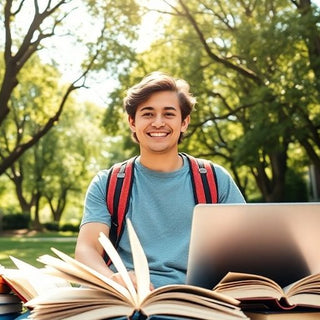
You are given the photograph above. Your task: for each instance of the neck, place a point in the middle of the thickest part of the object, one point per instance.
(162, 162)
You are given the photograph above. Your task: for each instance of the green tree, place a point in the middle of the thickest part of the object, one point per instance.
(67, 156)
(260, 48)
(248, 65)
(114, 29)
(26, 116)
(60, 165)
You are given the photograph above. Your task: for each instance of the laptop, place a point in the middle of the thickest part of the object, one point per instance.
(277, 240)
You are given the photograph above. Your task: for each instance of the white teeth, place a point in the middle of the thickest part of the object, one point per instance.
(157, 134)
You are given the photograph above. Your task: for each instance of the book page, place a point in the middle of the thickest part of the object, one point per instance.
(309, 284)
(100, 286)
(305, 299)
(189, 290)
(17, 280)
(243, 285)
(76, 302)
(140, 263)
(28, 281)
(117, 262)
(238, 276)
(40, 281)
(73, 267)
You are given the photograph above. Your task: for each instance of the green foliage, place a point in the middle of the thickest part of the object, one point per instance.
(249, 67)
(118, 22)
(32, 97)
(40, 85)
(60, 165)
(69, 227)
(54, 226)
(51, 226)
(15, 221)
(296, 188)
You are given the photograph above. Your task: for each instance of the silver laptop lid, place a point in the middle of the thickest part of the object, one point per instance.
(277, 240)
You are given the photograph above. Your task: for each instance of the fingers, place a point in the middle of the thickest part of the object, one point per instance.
(117, 278)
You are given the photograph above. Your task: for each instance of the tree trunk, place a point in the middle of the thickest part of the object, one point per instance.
(272, 189)
(36, 222)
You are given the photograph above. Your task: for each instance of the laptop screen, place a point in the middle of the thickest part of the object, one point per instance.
(280, 241)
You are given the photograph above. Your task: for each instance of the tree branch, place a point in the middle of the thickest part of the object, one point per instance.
(245, 72)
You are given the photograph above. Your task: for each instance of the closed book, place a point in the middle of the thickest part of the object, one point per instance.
(284, 315)
(8, 298)
(10, 308)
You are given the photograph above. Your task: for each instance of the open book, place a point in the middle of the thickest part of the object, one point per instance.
(255, 289)
(28, 282)
(99, 297)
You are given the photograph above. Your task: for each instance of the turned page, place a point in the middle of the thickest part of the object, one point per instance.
(118, 264)
(140, 263)
(77, 272)
(31, 281)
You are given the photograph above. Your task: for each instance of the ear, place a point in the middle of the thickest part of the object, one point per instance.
(131, 124)
(185, 124)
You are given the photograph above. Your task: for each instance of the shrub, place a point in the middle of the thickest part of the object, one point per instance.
(15, 221)
(51, 226)
(70, 227)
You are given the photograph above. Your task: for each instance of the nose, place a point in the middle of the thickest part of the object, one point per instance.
(158, 122)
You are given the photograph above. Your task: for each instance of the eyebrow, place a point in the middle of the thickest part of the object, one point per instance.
(152, 108)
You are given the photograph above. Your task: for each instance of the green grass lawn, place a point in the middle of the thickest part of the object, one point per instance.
(29, 248)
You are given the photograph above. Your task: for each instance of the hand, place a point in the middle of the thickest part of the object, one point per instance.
(117, 278)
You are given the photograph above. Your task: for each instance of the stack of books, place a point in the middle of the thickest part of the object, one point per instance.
(10, 304)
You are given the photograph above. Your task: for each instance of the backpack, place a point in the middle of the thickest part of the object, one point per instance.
(119, 186)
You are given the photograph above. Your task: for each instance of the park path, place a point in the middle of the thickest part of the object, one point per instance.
(53, 239)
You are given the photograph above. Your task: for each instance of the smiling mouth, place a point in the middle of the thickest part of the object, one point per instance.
(158, 134)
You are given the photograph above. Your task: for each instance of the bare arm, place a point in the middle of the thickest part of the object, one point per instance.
(89, 250)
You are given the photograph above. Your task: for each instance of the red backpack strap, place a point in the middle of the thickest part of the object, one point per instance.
(204, 180)
(118, 195)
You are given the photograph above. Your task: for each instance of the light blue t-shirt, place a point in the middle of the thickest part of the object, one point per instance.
(160, 210)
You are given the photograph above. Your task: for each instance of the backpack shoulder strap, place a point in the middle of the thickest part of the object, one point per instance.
(118, 195)
(204, 180)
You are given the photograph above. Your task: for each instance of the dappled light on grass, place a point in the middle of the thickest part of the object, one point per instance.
(29, 249)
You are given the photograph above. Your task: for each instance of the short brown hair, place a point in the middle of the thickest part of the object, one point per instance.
(155, 82)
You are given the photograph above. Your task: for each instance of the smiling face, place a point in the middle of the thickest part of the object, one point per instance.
(158, 123)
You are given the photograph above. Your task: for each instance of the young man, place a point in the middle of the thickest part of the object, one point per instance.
(162, 200)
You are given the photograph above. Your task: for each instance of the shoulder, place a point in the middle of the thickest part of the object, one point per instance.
(100, 180)
(101, 177)
(219, 170)
(103, 174)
